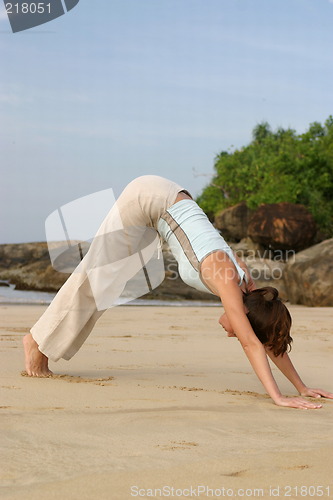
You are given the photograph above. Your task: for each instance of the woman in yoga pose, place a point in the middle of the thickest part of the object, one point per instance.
(257, 317)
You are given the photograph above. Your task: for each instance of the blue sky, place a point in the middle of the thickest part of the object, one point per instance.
(115, 89)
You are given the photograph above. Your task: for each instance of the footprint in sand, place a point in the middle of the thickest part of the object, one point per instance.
(177, 445)
(76, 379)
(238, 473)
(297, 467)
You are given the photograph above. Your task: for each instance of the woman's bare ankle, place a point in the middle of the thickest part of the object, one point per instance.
(36, 363)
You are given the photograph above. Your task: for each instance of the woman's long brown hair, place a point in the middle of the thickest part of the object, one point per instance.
(269, 318)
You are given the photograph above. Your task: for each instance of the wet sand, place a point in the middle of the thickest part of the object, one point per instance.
(160, 397)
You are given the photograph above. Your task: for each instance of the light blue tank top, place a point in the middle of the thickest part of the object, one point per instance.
(191, 237)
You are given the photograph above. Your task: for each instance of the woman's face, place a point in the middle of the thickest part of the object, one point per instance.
(225, 323)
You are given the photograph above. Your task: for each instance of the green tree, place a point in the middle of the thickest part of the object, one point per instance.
(275, 167)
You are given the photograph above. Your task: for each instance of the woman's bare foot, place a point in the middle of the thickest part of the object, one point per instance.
(36, 363)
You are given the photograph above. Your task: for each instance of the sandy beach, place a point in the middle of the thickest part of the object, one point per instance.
(161, 398)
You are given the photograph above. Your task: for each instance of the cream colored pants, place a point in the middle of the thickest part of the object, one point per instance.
(99, 280)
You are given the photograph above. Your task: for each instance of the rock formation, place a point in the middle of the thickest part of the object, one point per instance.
(309, 276)
(282, 226)
(28, 266)
(233, 222)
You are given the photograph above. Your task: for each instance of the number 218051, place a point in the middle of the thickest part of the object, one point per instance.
(28, 8)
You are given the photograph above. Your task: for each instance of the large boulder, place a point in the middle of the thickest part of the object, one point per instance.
(308, 277)
(248, 248)
(266, 267)
(267, 272)
(28, 267)
(282, 226)
(233, 222)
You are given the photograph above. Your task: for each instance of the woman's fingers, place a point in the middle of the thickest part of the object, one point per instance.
(304, 404)
(298, 403)
(324, 394)
(317, 393)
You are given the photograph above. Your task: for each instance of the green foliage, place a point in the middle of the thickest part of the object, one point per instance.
(276, 167)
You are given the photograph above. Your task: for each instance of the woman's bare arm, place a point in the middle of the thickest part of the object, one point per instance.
(221, 277)
(286, 367)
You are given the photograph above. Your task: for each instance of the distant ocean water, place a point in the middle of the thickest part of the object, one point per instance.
(8, 295)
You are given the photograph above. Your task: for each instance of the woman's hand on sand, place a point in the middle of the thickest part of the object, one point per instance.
(297, 402)
(316, 393)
